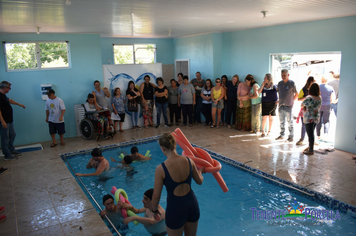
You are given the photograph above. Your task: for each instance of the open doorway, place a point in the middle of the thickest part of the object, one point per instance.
(321, 66)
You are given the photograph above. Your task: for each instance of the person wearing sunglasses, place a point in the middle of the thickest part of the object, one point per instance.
(7, 129)
(217, 102)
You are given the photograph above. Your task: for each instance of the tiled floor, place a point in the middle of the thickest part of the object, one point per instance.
(41, 196)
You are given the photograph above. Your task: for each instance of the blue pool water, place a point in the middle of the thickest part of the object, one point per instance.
(221, 213)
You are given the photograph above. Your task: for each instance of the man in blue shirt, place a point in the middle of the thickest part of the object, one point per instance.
(328, 97)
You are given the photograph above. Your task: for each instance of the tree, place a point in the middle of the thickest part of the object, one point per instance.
(123, 54)
(23, 55)
(53, 51)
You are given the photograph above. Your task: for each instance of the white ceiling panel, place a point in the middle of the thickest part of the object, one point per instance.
(161, 18)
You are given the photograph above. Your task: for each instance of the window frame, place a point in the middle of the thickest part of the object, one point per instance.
(37, 56)
(134, 52)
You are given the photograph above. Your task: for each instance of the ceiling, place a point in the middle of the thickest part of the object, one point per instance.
(161, 18)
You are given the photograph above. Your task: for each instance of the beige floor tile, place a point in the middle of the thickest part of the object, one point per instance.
(345, 192)
(8, 227)
(49, 231)
(75, 210)
(88, 225)
(28, 200)
(105, 234)
(65, 192)
(37, 220)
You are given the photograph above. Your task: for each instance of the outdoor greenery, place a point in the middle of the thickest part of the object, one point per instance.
(23, 55)
(144, 54)
(53, 54)
(123, 54)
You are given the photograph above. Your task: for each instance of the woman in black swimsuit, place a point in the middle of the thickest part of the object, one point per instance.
(176, 173)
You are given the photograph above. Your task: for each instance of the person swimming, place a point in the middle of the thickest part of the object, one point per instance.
(98, 162)
(156, 227)
(138, 156)
(125, 164)
(113, 212)
(134, 154)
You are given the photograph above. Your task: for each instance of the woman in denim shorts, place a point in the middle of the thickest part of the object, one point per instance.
(217, 102)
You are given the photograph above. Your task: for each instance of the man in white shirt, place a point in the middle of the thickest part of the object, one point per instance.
(55, 110)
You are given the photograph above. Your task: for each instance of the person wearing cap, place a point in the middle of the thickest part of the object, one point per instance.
(7, 130)
(98, 162)
(111, 210)
(154, 225)
(55, 110)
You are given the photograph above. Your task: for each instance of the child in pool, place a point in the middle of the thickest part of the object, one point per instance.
(153, 226)
(98, 162)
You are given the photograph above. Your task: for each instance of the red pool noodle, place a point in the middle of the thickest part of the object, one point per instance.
(185, 141)
(211, 165)
(113, 190)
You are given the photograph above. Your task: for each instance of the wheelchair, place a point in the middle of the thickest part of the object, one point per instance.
(90, 127)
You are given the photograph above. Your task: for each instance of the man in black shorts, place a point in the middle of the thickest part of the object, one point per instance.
(55, 110)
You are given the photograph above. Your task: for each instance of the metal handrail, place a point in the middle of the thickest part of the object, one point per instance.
(92, 197)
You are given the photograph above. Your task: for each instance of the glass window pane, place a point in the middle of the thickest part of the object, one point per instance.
(54, 54)
(123, 54)
(21, 56)
(145, 53)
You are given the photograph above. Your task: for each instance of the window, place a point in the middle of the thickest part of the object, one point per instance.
(135, 54)
(36, 56)
(123, 54)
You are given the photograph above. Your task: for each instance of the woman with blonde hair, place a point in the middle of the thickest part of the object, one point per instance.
(217, 102)
(256, 107)
(301, 97)
(269, 102)
(176, 173)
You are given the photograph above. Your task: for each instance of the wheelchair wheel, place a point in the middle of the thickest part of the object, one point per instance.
(87, 128)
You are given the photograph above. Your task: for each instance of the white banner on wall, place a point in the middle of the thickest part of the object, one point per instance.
(120, 75)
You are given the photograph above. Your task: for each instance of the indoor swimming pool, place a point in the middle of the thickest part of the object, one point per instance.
(254, 205)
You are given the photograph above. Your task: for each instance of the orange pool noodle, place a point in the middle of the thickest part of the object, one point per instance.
(200, 157)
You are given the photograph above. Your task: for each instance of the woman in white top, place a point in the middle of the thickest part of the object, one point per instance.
(100, 96)
(90, 105)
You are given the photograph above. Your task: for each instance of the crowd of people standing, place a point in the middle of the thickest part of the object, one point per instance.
(244, 105)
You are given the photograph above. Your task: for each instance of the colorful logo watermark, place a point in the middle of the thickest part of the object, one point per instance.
(295, 210)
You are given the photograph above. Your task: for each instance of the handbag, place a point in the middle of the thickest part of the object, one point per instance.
(132, 105)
